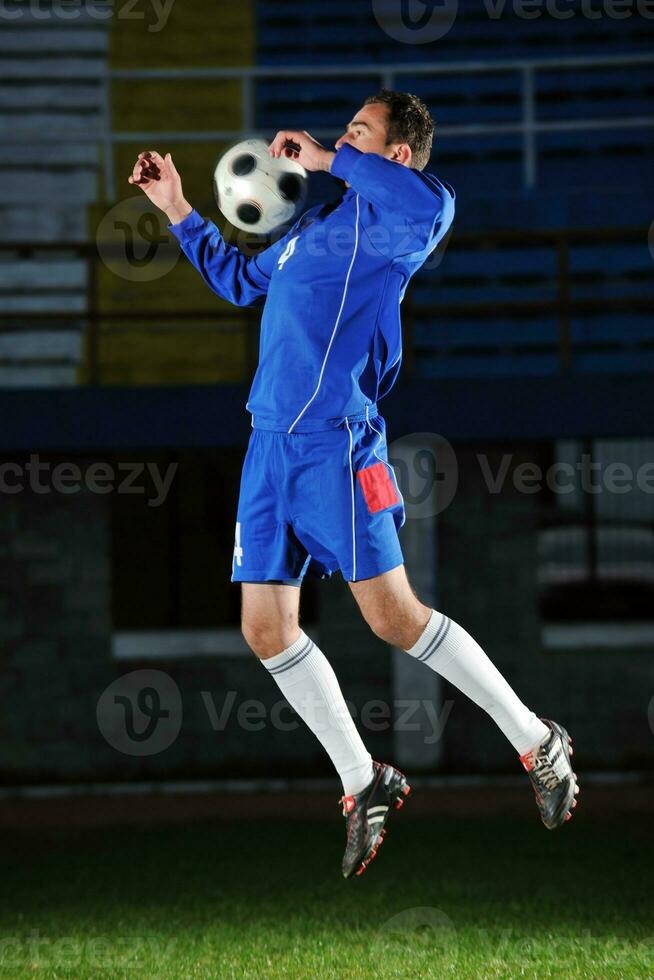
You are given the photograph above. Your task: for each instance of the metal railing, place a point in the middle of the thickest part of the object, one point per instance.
(95, 324)
(528, 126)
(102, 324)
(563, 305)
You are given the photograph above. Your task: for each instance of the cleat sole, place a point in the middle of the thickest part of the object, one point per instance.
(400, 800)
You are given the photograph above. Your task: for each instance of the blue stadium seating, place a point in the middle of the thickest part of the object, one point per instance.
(51, 105)
(584, 177)
(305, 32)
(348, 33)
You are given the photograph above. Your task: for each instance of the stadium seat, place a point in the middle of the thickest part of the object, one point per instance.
(50, 128)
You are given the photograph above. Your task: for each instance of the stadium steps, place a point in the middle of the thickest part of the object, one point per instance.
(348, 32)
(495, 343)
(50, 128)
(576, 159)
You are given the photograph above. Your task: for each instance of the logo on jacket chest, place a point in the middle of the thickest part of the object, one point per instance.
(287, 253)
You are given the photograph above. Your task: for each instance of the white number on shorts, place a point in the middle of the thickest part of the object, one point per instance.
(238, 551)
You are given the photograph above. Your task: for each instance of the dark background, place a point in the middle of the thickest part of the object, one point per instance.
(533, 337)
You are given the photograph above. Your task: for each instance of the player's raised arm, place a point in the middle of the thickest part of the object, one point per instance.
(158, 179)
(229, 273)
(419, 198)
(384, 168)
(388, 185)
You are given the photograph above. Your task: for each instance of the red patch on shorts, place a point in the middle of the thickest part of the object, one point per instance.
(378, 488)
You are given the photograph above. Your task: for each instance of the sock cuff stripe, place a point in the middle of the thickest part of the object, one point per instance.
(437, 633)
(427, 636)
(441, 633)
(294, 660)
(429, 629)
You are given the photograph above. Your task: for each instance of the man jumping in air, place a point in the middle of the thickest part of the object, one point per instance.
(317, 492)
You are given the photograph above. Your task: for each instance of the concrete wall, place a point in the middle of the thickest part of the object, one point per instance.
(55, 629)
(488, 582)
(56, 623)
(55, 648)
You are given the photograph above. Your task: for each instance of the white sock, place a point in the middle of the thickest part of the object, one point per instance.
(307, 681)
(451, 652)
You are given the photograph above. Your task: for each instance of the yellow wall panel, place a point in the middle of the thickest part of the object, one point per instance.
(196, 34)
(144, 353)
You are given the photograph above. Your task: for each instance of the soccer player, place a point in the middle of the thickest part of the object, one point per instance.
(317, 492)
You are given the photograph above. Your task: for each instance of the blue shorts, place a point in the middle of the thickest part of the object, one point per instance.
(318, 502)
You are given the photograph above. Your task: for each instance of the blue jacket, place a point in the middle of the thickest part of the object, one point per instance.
(331, 339)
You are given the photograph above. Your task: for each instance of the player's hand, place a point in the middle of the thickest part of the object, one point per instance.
(303, 148)
(158, 179)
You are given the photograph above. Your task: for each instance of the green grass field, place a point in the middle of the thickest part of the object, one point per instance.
(446, 898)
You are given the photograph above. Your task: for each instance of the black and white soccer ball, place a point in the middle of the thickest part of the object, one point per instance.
(256, 192)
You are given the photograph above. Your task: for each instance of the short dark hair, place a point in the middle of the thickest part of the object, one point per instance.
(409, 121)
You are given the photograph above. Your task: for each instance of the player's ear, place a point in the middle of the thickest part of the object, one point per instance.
(402, 153)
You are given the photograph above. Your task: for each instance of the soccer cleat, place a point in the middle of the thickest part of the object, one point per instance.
(551, 775)
(366, 815)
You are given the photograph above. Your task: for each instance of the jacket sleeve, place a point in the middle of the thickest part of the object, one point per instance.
(420, 202)
(236, 277)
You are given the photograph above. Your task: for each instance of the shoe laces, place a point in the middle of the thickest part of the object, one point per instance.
(546, 764)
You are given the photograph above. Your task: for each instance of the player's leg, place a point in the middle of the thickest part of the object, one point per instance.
(269, 617)
(307, 681)
(268, 557)
(394, 613)
(270, 625)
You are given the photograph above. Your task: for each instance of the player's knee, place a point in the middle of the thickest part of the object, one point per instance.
(267, 639)
(398, 628)
(382, 626)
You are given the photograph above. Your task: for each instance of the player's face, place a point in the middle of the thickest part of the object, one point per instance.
(367, 131)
